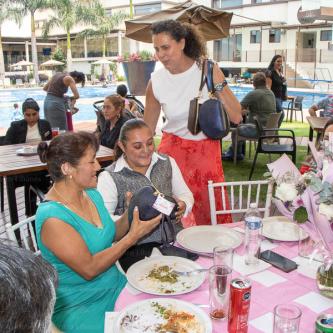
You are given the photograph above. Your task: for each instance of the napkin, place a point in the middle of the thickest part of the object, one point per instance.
(240, 266)
(307, 267)
(109, 320)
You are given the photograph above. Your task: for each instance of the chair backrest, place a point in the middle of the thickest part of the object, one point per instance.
(298, 102)
(27, 234)
(273, 120)
(235, 197)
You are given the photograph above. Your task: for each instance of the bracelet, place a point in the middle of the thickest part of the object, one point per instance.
(220, 86)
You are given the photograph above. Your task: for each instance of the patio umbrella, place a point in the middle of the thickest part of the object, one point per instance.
(52, 63)
(102, 61)
(211, 23)
(22, 63)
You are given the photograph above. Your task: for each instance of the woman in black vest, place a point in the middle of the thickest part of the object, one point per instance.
(277, 83)
(138, 165)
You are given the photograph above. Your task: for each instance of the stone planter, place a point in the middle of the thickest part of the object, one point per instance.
(138, 75)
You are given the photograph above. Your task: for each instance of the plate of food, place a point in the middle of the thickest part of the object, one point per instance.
(27, 151)
(157, 275)
(162, 315)
(203, 238)
(281, 228)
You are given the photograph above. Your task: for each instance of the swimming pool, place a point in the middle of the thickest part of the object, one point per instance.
(90, 94)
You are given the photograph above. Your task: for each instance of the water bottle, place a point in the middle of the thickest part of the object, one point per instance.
(253, 226)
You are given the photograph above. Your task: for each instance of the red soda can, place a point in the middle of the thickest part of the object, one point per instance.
(239, 305)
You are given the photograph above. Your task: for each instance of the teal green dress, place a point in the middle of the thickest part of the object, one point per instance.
(81, 305)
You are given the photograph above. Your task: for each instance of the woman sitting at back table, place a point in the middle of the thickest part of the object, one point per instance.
(115, 115)
(29, 129)
(138, 165)
(75, 234)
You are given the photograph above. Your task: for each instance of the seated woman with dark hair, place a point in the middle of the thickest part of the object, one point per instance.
(29, 129)
(138, 165)
(115, 115)
(76, 235)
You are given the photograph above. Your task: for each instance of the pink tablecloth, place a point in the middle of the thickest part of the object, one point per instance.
(263, 298)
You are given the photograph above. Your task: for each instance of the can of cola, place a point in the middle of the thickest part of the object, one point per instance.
(239, 305)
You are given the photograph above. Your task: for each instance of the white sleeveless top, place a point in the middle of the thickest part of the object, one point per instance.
(174, 92)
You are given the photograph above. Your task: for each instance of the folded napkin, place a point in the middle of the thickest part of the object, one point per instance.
(307, 267)
(109, 321)
(240, 266)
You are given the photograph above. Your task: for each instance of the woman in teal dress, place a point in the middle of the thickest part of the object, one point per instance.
(75, 234)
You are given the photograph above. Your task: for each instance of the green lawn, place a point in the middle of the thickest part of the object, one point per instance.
(300, 129)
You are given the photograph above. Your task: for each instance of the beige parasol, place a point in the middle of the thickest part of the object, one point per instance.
(211, 23)
(52, 63)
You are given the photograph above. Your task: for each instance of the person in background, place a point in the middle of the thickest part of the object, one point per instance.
(27, 290)
(16, 115)
(115, 115)
(326, 107)
(54, 103)
(259, 103)
(171, 88)
(277, 83)
(31, 128)
(76, 234)
(129, 105)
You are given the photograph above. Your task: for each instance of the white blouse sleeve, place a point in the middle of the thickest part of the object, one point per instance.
(179, 188)
(108, 189)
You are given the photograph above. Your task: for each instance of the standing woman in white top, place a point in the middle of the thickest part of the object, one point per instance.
(31, 128)
(181, 50)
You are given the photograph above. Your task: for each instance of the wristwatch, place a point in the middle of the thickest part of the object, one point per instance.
(220, 86)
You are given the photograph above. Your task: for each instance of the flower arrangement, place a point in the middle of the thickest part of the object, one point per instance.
(308, 200)
(143, 55)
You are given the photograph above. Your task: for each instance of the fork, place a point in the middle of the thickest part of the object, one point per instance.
(194, 272)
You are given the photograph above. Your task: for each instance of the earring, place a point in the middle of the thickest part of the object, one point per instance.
(70, 177)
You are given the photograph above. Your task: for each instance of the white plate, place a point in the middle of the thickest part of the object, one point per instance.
(137, 276)
(144, 316)
(27, 151)
(281, 229)
(204, 238)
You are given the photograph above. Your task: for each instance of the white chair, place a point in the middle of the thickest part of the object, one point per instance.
(239, 194)
(27, 232)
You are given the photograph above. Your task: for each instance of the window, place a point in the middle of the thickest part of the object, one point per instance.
(147, 9)
(326, 35)
(218, 4)
(256, 1)
(228, 49)
(255, 36)
(108, 12)
(274, 35)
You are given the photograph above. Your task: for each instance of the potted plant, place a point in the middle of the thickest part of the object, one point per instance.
(138, 68)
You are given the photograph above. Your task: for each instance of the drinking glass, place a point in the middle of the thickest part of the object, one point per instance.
(219, 290)
(55, 131)
(287, 318)
(223, 255)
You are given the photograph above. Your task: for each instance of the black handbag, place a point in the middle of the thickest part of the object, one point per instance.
(144, 199)
(213, 118)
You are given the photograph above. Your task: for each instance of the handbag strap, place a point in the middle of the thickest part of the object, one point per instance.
(203, 78)
(209, 76)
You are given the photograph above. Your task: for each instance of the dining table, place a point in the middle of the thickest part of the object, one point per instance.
(270, 287)
(12, 163)
(317, 124)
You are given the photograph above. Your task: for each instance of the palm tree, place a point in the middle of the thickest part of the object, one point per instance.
(30, 7)
(105, 25)
(68, 13)
(7, 12)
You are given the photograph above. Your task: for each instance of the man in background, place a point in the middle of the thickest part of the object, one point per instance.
(326, 107)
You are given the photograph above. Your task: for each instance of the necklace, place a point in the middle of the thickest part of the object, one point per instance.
(68, 204)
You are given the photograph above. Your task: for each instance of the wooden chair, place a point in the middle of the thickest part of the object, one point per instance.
(240, 194)
(27, 231)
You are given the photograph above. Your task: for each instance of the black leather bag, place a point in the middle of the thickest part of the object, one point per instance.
(213, 119)
(144, 199)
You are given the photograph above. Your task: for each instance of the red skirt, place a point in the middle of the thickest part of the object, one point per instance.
(199, 161)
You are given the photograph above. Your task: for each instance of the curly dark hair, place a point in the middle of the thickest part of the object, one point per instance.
(78, 77)
(195, 47)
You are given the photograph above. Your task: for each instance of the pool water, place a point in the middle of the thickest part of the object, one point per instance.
(90, 94)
